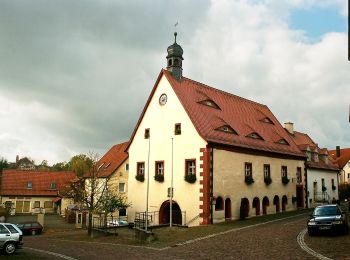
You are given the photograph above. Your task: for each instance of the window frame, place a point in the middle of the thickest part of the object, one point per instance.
(248, 169)
(299, 175)
(138, 164)
(177, 129)
(268, 172)
(147, 133)
(156, 168)
(187, 161)
(284, 171)
(124, 187)
(53, 187)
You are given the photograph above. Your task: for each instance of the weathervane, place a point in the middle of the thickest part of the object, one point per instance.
(175, 33)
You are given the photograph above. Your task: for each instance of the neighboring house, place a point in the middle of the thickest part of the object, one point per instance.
(228, 156)
(30, 191)
(342, 158)
(24, 163)
(114, 167)
(321, 172)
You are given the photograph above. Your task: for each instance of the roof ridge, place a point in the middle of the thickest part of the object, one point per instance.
(224, 92)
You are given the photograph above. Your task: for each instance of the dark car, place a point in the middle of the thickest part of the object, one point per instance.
(328, 218)
(30, 228)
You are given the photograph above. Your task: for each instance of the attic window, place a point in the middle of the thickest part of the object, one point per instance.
(209, 103)
(147, 133)
(53, 186)
(226, 129)
(255, 136)
(282, 141)
(29, 185)
(267, 120)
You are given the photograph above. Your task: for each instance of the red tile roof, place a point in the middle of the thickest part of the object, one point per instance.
(244, 116)
(344, 157)
(112, 160)
(14, 182)
(304, 141)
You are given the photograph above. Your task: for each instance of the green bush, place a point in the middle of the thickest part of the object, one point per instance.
(285, 180)
(140, 177)
(249, 179)
(159, 177)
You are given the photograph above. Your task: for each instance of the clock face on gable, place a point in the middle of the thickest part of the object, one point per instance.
(163, 99)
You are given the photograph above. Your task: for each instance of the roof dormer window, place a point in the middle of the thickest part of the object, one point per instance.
(255, 136)
(267, 120)
(226, 129)
(29, 185)
(282, 141)
(209, 103)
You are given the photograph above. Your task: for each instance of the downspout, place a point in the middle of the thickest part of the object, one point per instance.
(306, 188)
(211, 161)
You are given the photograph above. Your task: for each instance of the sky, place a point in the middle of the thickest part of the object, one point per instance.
(75, 75)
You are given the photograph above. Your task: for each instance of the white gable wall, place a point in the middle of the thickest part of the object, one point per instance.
(314, 185)
(161, 120)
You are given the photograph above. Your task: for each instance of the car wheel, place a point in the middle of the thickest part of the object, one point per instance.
(10, 248)
(33, 232)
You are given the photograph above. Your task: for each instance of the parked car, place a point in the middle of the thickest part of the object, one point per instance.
(328, 218)
(117, 223)
(10, 238)
(30, 228)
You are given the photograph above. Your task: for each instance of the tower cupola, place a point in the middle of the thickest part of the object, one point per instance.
(174, 59)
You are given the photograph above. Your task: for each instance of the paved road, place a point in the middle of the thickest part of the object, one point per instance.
(276, 240)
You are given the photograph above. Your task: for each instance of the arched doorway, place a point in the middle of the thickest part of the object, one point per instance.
(256, 205)
(164, 213)
(265, 203)
(276, 202)
(284, 202)
(228, 208)
(244, 210)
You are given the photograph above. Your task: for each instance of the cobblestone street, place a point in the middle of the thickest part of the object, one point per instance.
(277, 240)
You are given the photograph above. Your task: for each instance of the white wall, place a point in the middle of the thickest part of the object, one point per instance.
(161, 120)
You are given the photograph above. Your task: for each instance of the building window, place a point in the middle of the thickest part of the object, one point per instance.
(121, 187)
(122, 212)
(191, 167)
(29, 185)
(36, 204)
(219, 203)
(348, 175)
(127, 167)
(140, 168)
(299, 175)
(147, 133)
(178, 129)
(227, 129)
(53, 186)
(248, 169)
(284, 172)
(209, 103)
(255, 136)
(159, 168)
(267, 173)
(48, 204)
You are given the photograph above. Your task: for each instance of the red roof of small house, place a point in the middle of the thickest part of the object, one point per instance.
(344, 157)
(304, 142)
(211, 109)
(15, 182)
(112, 160)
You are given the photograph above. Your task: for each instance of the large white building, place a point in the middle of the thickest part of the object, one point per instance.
(225, 156)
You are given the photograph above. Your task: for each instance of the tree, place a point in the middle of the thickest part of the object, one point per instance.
(3, 164)
(60, 166)
(90, 190)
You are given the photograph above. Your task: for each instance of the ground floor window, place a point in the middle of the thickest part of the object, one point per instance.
(48, 204)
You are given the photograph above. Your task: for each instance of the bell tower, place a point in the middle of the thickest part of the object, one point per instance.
(174, 60)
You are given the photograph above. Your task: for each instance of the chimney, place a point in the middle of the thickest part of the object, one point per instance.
(17, 159)
(337, 148)
(289, 127)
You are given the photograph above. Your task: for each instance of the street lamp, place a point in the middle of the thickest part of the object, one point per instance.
(149, 151)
